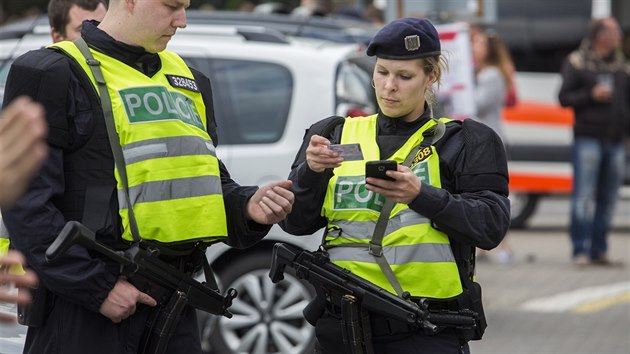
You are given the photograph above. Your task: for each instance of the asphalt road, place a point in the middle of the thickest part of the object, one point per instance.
(541, 303)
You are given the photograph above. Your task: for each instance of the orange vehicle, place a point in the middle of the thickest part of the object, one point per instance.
(542, 181)
(539, 143)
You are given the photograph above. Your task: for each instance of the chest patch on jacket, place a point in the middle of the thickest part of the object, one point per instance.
(183, 83)
(422, 155)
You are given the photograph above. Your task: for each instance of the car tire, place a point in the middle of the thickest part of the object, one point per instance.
(267, 317)
(522, 207)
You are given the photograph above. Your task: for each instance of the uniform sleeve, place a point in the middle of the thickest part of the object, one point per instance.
(309, 187)
(242, 232)
(43, 75)
(472, 207)
(33, 224)
(35, 221)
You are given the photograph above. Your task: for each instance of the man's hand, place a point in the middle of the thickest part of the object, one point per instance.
(271, 203)
(403, 190)
(601, 93)
(26, 279)
(319, 157)
(22, 147)
(122, 299)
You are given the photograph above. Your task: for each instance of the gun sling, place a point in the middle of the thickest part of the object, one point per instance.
(376, 242)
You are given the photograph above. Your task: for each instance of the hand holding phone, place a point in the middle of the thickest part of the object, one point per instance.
(377, 169)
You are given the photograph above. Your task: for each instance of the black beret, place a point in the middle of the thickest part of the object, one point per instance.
(405, 38)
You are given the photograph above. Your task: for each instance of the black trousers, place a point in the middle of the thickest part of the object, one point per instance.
(389, 337)
(72, 329)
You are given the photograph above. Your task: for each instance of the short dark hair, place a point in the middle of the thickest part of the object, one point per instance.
(58, 11)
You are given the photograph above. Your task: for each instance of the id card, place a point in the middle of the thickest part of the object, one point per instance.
(349, 152)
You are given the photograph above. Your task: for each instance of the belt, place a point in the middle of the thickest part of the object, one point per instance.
(380, 325)
(385, 326)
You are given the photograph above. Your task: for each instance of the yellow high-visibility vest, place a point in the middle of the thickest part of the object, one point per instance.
(419, 255)
(172, 169)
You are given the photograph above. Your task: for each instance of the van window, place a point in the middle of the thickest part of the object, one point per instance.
(251, 99)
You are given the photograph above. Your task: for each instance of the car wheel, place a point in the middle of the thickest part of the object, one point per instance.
(522, 207)
(267, 317)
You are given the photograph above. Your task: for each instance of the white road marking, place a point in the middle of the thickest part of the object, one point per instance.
(572, 300)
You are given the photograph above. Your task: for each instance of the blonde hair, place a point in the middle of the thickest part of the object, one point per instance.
(436, 65)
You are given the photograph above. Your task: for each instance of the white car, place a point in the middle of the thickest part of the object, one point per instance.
(268, 88)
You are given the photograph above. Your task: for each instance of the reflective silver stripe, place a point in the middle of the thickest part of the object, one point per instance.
(363, 230)
(424, 252)
(167, 147)
(4, 233)
(171, 189)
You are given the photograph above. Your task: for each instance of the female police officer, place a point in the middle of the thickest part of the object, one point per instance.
(449, 193)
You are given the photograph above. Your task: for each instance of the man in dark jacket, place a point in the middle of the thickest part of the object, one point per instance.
(90, 308)
(596, 84)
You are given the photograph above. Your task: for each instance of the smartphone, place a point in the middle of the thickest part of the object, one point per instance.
(377, 169)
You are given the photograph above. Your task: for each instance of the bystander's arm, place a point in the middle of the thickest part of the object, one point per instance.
(22, 147)
(573, 92)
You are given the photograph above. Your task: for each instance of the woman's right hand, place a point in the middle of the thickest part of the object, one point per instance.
(319, 157)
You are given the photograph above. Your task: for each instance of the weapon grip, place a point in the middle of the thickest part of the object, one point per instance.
(281, 257)
(73, 232)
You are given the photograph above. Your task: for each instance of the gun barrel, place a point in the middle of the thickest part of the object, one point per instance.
(450, 319)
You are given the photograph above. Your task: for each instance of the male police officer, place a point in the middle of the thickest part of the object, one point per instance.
(181, 194)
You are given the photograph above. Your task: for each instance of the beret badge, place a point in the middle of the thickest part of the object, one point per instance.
(412, 43)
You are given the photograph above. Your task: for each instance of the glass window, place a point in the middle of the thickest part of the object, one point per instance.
(354, 93)
(251, 99)
(4, 72)
(5, 65)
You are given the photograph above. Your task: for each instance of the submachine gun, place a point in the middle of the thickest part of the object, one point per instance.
(170, 287)
(316, 268)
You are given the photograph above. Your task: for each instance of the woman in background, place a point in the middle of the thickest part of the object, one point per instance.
(494, 89)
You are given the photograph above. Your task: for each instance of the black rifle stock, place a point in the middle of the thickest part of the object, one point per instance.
(317, 269)
(146, 271)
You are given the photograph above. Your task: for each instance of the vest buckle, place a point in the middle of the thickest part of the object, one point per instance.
(375, 249)
(93, 62)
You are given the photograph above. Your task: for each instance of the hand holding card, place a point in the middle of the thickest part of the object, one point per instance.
(349, 152)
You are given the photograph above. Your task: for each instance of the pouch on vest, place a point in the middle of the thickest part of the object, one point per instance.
(471, 299)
